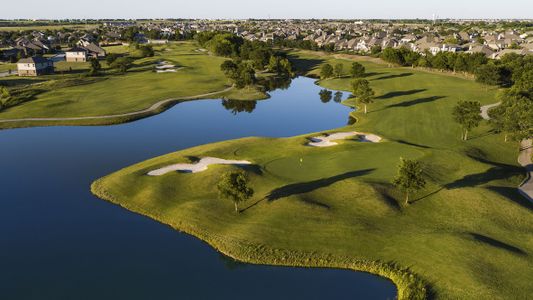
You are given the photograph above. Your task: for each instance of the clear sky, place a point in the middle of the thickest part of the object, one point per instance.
(237, 9)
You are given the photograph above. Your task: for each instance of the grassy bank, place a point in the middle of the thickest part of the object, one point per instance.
(69, 93)
(467, 235)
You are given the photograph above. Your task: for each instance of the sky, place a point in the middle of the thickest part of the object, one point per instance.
(278, 9)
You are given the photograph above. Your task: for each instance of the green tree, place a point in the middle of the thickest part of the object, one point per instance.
(230, 69)
(338, 70)
(111, 57)
(363, 92)
(357, 70)
(95, 67)
(234, 186)
(280, 65)
(467, 114)
(122, 64)
(4, 96)
(326, 71)
(410, 177)
(488, 74)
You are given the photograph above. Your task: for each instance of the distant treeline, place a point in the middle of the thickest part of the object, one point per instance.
(504, 72)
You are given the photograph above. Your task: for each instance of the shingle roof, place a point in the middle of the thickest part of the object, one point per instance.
(33, 60)
(77, 49)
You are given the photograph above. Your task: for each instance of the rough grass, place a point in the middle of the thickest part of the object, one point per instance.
(467, 235)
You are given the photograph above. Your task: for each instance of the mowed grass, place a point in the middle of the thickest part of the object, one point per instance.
(139, 88)
(468, 234)
(5, 67)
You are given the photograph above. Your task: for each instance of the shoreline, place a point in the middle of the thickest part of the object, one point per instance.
(408, 284)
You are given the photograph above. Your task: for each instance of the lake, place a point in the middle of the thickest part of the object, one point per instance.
(58, 241)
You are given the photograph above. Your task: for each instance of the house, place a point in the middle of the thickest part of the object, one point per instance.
(35, 66)
(76, 54)
(92, 49)
(477, 48)
(500, 54)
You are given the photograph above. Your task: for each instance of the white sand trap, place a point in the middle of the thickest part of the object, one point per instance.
(197, 167)
(167, 71)
(162, 67)
(328, 141)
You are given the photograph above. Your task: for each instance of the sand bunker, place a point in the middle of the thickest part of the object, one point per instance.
(200, 166)
(165, 67)
(328, 141)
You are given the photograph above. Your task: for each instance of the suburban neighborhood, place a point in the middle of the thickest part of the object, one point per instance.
(491, 38)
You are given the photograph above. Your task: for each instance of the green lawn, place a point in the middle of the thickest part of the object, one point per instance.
(70, 93)
(468, 234)
(4, 67)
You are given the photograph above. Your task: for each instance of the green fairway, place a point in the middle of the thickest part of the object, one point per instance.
(467, 235)
(70, 93)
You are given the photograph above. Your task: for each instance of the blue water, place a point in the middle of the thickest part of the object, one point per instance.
(57, 241)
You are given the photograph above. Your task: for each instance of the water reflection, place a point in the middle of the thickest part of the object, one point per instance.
(325, 95)
(272, 83)
(238, 106)
(338, 96)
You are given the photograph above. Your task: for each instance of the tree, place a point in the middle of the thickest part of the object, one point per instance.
(338, 70)
(4, 96)
(229, 68)
(326, 71)
(363, 92)
(357, 70)
(467, 114)
(122, 64)
(280, 65)
(233, 186)
(409, 177)
(95, 67)
(111, 57)
(488, 74)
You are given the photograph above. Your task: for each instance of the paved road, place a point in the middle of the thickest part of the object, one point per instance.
(152, 108)
(485, 110)
(524, 157)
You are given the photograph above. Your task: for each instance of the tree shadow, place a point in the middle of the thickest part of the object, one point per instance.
(495, 243)
(426, 196)
(306, 187)
(392, 76)
(412, 144)
(497, 172)
(370, 74)
(400, 93)
(416, 101)
(512, 194)
(20, 81)
(304, 65)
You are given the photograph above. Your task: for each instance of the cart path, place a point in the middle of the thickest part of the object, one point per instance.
(152, 108)
(524, 158)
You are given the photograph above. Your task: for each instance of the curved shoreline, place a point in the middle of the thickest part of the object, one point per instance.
(154, 108)
(408, 284)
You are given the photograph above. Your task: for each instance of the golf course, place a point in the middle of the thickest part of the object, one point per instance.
(69, 97)
(468, 234)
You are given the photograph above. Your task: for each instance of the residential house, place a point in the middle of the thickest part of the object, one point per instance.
(35, 66)
(76, 54)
